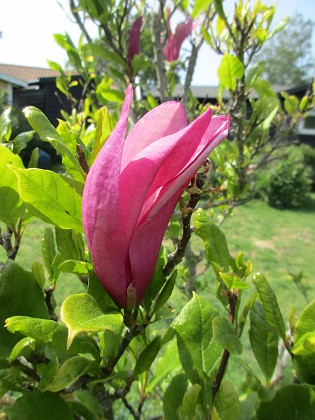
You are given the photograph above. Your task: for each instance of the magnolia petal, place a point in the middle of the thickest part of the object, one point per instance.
(134, 40)
(175, 40)
(100, 206)
(182, 31)
(154, 167)
(145, 245)
(161, 121)
(161, 196)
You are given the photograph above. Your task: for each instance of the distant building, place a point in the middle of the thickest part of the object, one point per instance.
(34, 86)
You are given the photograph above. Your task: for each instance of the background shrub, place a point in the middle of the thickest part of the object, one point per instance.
(288, 182)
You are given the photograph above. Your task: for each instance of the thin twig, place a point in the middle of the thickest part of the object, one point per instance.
(226, 354)
(177, 256)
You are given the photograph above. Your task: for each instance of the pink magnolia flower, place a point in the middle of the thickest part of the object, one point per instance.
(134, 40)
(175, 40)
(133, 187)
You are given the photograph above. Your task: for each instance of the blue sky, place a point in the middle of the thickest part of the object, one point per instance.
(28, 26)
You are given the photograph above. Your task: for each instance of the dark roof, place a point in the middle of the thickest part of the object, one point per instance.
(27, 74)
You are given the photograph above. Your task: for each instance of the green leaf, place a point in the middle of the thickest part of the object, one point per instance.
(229, 71)
(19, 294)
(81, 313)
(107, 54)
(39, 274)
(47, 371)
(140, 63)
(147, 356)
(290, 402)
(245, 312)
(157, 281)
(264, 341)
(75, 267)
(41, 330)
(47, 132)
(270, 304)
(96, 290)
(81, 411)
(305, 345)
(48, 251)
(109, 344)
(11, 207)
(254, 74)
(193, 328)
(70, 244)
(214, 239)
(173, 396)
(5, 125)
(306, 322)
(264, 88)
(69, 372)
(151, 101)
(165, 293)
(227, 402)
(199, 7)
(218, 4)
(51, 197)
(112, 95)
(225, 335)
(166, 364)
(69, 140)
(48, 331)
(90, 401)
(21, 141)
(278, 27)
(291, 103)
(304, 103)
(33, 162)
(103, 131)
(37, 405)
(232, 281)
(304, 358)
(269, 119)
(19, 349)
(190, 401)
(207, 37)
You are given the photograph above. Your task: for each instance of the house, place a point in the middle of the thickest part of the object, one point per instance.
(25, 86)
(15, 78)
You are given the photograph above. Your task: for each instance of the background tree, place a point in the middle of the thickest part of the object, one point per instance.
(288, 56)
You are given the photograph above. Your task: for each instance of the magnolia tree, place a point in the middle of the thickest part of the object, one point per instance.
(137, 338)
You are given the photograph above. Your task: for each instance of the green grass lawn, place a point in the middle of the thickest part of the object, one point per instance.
(278, 242)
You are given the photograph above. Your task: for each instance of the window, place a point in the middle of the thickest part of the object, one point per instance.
(307, 126)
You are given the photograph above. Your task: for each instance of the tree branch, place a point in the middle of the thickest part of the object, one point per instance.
(177, 256)
(226, 355)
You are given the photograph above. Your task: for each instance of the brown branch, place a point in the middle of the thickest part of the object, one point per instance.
(177, 256)
(6, 240)
(158, 53)
(226, 354)
(48, 300)
(79, 21)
